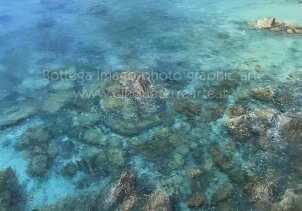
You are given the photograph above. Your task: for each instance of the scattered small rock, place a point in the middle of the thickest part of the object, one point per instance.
(196, 201)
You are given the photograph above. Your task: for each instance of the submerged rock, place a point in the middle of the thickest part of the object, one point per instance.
(196, 201)
(290, 122)
(56, 101)
(38, 165)
(193, 173)
(235, 110)
(132, 105)
(158, 202)
(263, 115)
(265, 94)
(11, 195)
(38, 135)
(115, 156)
(124, 188)
(211, 113)
(239, 128)
(185, 106)
(291, 201)
(228, 164)
(37, 143)
(222, 194)
(12, 116)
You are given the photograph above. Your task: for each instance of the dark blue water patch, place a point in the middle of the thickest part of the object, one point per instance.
(55, 5)
(46, 23)
(5, 19)
(7, 81)
(97, 10)
(60, 44)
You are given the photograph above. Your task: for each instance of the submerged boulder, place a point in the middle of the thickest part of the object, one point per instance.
(132, 104)
(124, 188)
(264, 94)
(38, 165)
(195, 201)
(288, 122)
(158, 202)
(14, 115)
(185, 106)
(11, 195)
(239, 128)
(291, 201)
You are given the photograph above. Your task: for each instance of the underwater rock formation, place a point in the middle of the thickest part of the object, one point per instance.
(261, 120)
(211, 113)
(239, 128)
(132, 104)
(36, 142)
(12, 116)
(288, 122)
(124, 191)
(160, 145)
(185, 106)
(291, 201)
(221, 195)
(263, 94)
(231, 166)
(196, 201)
(11, 196)
(261, 192)
(158, 202)
(235, 110)
(56, 101)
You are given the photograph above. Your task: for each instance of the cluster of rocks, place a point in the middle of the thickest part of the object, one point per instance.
(124, 193)
(261, 192)
(278, 26)
(39, 149)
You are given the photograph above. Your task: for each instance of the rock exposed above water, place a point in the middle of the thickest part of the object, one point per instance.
(278, 26)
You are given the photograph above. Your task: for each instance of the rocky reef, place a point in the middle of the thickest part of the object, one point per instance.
(133, 104)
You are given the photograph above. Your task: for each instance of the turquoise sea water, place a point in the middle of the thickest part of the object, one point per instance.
(189, 96)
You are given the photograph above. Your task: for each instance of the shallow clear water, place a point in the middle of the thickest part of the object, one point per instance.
(215, 116)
